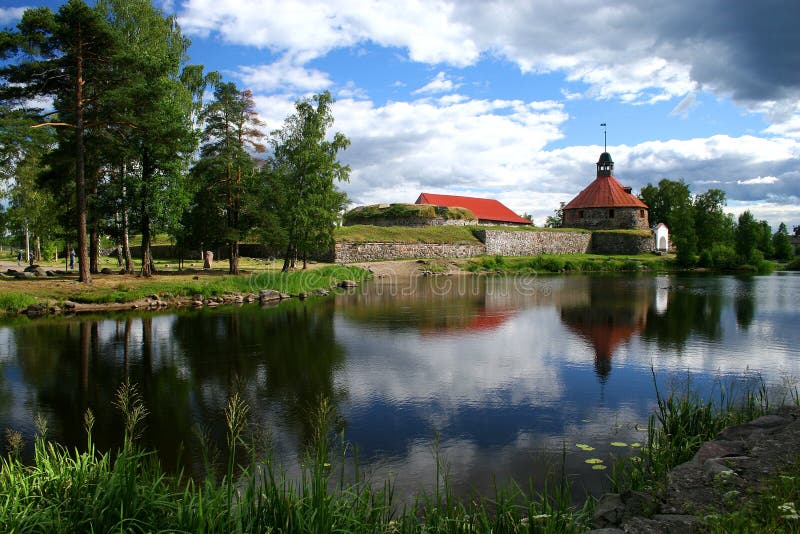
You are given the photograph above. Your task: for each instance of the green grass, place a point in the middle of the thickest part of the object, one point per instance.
(364, 233)
(13, 301)
(399, 234)
(292, 283)
(554, 263)
(363, 214)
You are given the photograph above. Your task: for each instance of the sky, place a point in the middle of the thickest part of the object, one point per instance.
(505, 98)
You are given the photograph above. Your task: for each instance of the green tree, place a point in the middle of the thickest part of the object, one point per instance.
(302, 176)
(671, 203)
(226, 169)
(781, 244)
(746, 235)
(65, 55)
(764, 239)
(712, 225)
(152, 155)
(557, 219)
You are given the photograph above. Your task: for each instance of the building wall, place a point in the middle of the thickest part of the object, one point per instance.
(600, 219)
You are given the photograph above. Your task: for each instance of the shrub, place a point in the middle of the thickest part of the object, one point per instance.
(724, 257)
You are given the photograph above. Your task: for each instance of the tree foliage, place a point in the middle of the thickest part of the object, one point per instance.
(302, 176)
(224, 210)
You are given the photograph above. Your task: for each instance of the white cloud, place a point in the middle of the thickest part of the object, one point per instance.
(11, 15)
(637, 52)
(758, 180)
(439, 84)
(284, 74)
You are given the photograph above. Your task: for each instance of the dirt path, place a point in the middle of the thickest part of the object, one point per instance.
(399, 269)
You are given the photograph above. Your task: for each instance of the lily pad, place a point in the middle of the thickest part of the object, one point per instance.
(598, 467)
(636, 445)
(618, 444)
(593, 461)
(584, 447)
(585, 421)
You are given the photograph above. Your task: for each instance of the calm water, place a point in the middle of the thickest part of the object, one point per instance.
(500, 375)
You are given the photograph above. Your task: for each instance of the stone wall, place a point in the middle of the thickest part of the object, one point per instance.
(621, 243)
(503, 243)
(522, 243)
(600, 219)
(356, 252)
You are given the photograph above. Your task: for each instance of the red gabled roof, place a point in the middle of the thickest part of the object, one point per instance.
(605, 192)
(483, 208)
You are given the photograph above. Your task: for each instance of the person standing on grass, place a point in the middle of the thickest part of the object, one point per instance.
(71, 258)
(19, 257)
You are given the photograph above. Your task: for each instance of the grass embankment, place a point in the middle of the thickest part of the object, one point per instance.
(556, 263)
(18, 294)
(365, 214)
(128, 491)
(365, 233)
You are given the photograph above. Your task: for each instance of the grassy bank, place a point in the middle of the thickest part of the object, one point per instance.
(18, 294)
(128, 491)
(555, 263)
(363, 233)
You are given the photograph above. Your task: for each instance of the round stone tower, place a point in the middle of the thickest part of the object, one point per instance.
(605, 204)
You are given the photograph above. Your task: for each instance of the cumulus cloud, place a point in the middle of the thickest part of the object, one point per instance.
(500, 149)
(11, 15)
(635, 51)
(439, 84)
(758, 180)
(284, 74)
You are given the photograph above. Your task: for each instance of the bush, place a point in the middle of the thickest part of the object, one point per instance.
(706, 259)
(724, 257)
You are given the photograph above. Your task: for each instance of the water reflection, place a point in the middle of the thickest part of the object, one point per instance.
(502, 373)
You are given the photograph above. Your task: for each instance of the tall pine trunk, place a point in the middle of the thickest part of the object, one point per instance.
(80, 179)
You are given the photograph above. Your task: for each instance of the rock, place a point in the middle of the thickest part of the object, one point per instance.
(761, 426)
(302, 295)
(51, 273)
(31, 268)
(605, 531)
(638, 503)
(106, 270)
(153, 296)
(718, 449)
(348, 284)
(69, 305)
(266, 295)
(322, 292)
(609, 510)
(55, 310)
(122, 271)
(197, 303)
(23, 275)
(11, 272)
(35, 310)
(212, 304)
(285, 296)
(197, 296)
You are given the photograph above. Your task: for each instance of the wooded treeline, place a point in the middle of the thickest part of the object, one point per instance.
(705, 235)
(104, 131)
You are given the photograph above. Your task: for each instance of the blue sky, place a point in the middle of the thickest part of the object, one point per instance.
(505, 98)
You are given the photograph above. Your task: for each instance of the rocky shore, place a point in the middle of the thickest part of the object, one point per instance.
(722, 474)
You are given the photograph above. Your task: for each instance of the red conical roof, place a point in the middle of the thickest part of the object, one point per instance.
(605, 192)
(483, 208)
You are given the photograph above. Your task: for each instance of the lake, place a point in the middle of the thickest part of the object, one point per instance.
(497, 377)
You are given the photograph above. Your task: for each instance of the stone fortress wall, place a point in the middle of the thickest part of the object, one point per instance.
(503, 243)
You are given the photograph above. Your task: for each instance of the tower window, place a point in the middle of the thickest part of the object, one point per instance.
(641, 214)
(580, 214)
(610, 214)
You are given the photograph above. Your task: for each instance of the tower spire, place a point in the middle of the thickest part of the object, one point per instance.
(605, 145)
